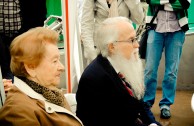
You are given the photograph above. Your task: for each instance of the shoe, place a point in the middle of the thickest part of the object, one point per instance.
(165, 113)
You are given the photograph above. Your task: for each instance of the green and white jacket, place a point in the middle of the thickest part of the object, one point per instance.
(178, 6)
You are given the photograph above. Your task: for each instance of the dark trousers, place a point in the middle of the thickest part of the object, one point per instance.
(5, 57)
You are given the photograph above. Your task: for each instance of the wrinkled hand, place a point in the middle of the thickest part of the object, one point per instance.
(90, 53)
(7, 84)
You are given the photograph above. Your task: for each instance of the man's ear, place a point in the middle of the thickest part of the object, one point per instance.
(111, 48)
(30, 69)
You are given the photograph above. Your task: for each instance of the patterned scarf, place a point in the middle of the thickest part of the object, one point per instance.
(54, 96)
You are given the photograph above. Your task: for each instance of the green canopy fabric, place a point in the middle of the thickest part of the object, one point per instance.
(53, 7)
(190, 13)
(191, 18)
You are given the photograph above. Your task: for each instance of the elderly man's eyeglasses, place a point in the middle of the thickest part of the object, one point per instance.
(130, 41)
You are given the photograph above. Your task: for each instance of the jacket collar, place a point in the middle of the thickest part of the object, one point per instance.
(105, 5)
(49, 107)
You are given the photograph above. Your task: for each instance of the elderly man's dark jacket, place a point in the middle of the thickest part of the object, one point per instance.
(103, 100)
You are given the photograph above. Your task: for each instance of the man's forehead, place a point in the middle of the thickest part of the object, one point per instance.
(126, 28)
(125, 25)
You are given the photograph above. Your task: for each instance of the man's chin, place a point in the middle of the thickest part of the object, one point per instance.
(135, 57)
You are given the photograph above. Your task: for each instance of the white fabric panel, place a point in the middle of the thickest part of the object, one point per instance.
(76, 65)
(2, 91)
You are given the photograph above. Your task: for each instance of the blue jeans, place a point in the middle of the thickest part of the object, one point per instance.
(172, 44)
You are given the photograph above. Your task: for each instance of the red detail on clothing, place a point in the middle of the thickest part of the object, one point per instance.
(129, 90)
(121, 76)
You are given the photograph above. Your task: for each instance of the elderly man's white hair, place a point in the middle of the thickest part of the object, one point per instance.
(108, 32)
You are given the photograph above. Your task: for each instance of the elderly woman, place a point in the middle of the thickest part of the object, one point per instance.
(34, 100)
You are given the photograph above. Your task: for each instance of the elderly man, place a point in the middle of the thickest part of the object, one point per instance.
(111, 87)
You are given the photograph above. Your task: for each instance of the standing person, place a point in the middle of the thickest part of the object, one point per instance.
(104, 96)
(10, 26)
(168, 34)
(16, 17)
(96, 11)
(34, 99)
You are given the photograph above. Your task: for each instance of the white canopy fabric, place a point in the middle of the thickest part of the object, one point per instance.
(72, 44)
(2, 92)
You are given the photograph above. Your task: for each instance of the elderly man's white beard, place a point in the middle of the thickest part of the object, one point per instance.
(132, 70)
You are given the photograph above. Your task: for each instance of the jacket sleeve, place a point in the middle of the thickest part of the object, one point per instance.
(136, 10)
(177, 5)
(17, 114)
(87, 28)
(159, 2)
(170, 5)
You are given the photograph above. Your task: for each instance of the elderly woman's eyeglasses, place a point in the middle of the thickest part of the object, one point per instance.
(130, 41)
